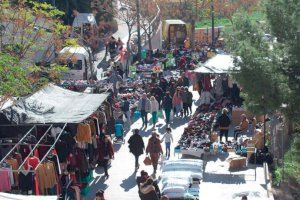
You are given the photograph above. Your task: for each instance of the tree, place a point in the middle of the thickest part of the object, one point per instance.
(189, 11)
(128, 15)
(149, 13)
(269, 71)
(227, 8)
(31, 33)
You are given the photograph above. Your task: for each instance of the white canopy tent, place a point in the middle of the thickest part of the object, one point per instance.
(53, 104)
(219, 64)
(7, 196)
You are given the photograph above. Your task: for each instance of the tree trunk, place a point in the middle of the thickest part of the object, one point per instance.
(193, 25)
(149, 41)
(128, 54)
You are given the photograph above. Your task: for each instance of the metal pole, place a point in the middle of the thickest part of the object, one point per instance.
(138, 29)
(212, 25)
(282, 150)
(264, 131)
(3, 159)
(36, 146)
(53, 145)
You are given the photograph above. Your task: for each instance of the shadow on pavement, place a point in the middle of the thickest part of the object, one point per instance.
(95, 185)
(129, 182)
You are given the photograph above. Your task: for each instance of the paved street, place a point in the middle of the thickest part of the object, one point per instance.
(122, 181)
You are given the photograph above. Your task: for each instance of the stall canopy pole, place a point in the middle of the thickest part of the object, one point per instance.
(38, 144)
(3, 159)
(53, 145)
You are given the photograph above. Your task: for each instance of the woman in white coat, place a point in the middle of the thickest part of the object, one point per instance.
(154, 106)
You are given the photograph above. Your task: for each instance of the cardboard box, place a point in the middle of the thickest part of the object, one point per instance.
(237, 163)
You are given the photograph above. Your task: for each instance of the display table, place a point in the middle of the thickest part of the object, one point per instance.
(196, 152)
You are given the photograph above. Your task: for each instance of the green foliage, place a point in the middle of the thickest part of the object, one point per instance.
(31, 33)
(257, 67)
(223, 21)
(267, 70)
(291, 161)
(13, 80)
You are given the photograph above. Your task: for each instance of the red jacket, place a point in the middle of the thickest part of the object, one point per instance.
(105, 149)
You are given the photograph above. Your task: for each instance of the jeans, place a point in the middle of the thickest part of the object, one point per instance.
(128, 115)
(154, 117)
(224, 132)
(105, 166)
(136, 160)
(144, 117)
(168, 149)
(168, 115)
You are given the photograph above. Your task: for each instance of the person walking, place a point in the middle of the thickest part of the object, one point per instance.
(105, 152)
(167, 106)
(136, 146)
(154, 149)
(168, 138)
(154, 107)
(177, 102)
(126, 110)
(189, 100)
(224, 122)
(185, 99)
(144, 108)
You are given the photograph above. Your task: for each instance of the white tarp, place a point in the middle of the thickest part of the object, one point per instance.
(218, 64)
(54, 104)
(84, 18)
(7, 196)
(5, 103)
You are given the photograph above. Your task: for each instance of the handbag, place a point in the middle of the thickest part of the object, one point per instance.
(147, 161)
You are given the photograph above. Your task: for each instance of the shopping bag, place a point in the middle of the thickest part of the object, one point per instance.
(160, 114)
(137, 115)
(147, 161)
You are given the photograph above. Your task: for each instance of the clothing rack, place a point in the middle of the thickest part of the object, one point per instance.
(36, 145)
(41, 145)
(3, 159)
(53, 145)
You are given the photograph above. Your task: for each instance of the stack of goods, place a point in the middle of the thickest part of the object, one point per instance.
(181, 178)
(196, 136)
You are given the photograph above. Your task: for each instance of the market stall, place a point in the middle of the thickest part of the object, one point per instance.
(62, 139)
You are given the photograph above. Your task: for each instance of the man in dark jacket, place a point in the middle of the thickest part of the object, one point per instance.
(158, 93)
(167, 106)
(224, 123)
(136, 146)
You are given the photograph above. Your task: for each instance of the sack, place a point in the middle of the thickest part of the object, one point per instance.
(147, 161)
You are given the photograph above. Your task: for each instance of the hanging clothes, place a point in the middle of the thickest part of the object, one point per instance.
(24, 150)
(5, 183)
(84, 133)
(32, 161)
(46, 175)
(26, 181)
(14, 165)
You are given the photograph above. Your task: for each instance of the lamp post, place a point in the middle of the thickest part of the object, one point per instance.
(212, 25)
(138, 28)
